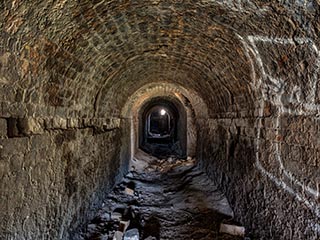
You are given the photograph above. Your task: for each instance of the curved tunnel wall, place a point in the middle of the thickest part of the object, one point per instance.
(188, 103)
(67, 69)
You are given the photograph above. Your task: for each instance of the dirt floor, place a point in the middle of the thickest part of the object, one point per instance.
(162, 199)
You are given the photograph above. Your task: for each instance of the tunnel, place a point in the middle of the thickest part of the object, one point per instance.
(163, 128)
(86, 85)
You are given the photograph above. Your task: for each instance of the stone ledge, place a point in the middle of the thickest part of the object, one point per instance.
(27, 126)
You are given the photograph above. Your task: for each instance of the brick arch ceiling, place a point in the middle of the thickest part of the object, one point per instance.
(165, 90)
(84, 54)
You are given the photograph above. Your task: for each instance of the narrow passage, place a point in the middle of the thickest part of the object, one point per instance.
(162, 199)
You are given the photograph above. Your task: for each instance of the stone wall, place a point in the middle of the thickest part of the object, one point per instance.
(270, 172)
(68, 68)
(53, 172)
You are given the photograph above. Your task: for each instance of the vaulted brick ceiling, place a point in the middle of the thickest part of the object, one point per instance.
(88, 54)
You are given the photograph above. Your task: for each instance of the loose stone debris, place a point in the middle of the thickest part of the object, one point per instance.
(132, 234)
(118, 235)
(163, 199)
(129, 191)
(232, 229)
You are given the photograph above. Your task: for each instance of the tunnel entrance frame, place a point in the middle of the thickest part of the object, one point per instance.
(176, 142)
(195, 107)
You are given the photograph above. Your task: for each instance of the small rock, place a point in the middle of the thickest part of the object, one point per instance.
(124, 225)
(132, 234)
(104, 237)
(130, 175)
(118, 235)
(116, 216)
(105, 217)
(91, 227)
(232, 229)
(129, 191)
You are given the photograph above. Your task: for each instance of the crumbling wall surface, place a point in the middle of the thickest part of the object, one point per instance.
(263, 185)
(267, 159)
(53, 174)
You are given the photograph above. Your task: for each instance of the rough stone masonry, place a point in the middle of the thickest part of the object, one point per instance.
(74, 74)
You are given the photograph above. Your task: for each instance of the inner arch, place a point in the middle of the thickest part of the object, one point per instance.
(164, 134)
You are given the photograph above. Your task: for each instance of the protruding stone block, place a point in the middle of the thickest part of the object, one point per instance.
(34, 126)
(59, 122)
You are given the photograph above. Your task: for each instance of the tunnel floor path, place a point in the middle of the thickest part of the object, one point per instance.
(162, 199)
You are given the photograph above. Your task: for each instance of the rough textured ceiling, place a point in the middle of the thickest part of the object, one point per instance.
(83, 54)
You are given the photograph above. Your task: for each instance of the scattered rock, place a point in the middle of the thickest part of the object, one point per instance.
(116, 216)
(117, 235)
(132, 234)
(129, 191)
(105, 217)
(124, 225)
(170, 160)
(130, 175)
(91, 227)
(172, 201)
(232, 229)
(104, 237)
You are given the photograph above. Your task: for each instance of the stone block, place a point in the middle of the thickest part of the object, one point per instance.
(86, 122)
(14, 109)
(73, 122)
(31, 126)
(48, 123)
(116, 122)
(3, 128)
(59, 122)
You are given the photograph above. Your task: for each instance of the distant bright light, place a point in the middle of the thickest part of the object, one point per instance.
(163, 112)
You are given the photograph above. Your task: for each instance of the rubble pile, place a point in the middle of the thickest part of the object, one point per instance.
(162, 199)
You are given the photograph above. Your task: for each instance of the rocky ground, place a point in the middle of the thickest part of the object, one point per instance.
(162, 199)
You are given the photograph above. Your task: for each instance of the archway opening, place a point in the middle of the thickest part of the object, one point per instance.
(160, 126)
(163, 128)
